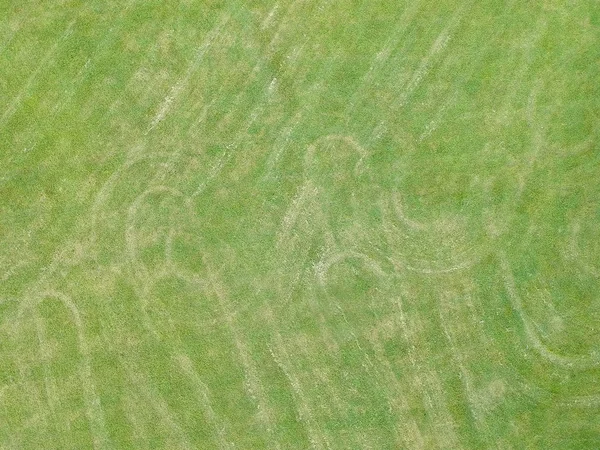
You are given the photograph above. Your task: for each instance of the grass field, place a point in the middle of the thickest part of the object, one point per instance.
(300, 224)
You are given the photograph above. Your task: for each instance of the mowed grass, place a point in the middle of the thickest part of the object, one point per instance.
(299, 224)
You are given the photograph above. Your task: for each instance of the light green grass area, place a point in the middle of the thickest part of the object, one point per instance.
(300, 224)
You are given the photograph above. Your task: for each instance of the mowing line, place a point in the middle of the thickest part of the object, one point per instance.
(465, 374)
(182, 83)
(17, 100)
(253, 384)
(144, 386)
(316, 436)
(203, 394)
(581, 362)
(432, 393)
(9, 39)
(52, 396)
(384, 54)
(79, 78)
(390, 387)
(438, 46)
(94, 411)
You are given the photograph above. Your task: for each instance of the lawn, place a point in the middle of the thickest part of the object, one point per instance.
(299, 224)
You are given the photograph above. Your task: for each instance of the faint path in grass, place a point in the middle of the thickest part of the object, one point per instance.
(155, 185)
(181, 84)
(186, 365)
(316, 436)
(253, 385)
(432, 248)
(308, 217)
(9, 37)
(94, 410)
(426, 380)
(580, 362)
(438, 46)
(145, 383)
(83, 74)
(382, 56)
(52, 394)
(141, 382)
(106, 191)
(379, 370)
(323, 229)
(142, 272)
(29, 83)
(523, 66)
(573, 252)
(464, 334)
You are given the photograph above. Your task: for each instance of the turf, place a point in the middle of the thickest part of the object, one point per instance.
(296, 224)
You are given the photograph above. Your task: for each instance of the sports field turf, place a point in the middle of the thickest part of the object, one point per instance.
(300, 224)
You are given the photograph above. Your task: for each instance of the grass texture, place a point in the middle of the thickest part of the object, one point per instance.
(299, 224)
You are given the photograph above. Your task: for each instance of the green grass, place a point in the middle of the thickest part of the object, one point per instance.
(300, 224)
